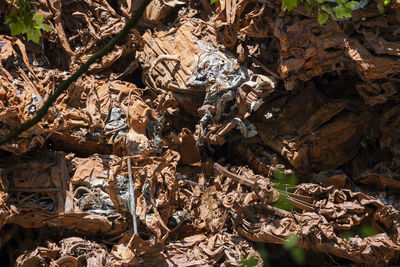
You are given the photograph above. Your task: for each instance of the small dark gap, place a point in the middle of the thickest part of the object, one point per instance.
(172, 17)
(135, 77)
(58, 58)
(83, 150)
(115, 6)
(338, 86)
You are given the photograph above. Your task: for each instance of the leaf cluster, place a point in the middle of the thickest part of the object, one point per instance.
(249, 261)
(23, 20)
(336, 9)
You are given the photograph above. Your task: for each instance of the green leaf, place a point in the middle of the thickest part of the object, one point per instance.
(367, 230)
(46, 27)
(249, 262)
(289, 4)
(38, 18)
(27, 18)
(380, 7)
(342, 12)
(385, 2)
(213, 1)
(351, 5)
(322, 18)
(17, 27)
(24, 20)
(33, 34)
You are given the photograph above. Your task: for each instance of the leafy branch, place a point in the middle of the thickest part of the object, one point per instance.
(336, 9)
(23, 20)
(66, 83)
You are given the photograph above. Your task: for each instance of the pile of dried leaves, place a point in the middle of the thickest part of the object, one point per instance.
(212, 129)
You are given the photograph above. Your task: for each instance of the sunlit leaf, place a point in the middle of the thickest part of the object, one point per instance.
(38, 18)
(322, 18)
(24, 20)
(249, 262)
(289, 4)
(33, 34)
(342, 12)
(367, 230)
(351, 5)
(17, 26)
(46, 27)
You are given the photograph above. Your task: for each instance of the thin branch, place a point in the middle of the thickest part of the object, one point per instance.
(132, 197)
(66, 83)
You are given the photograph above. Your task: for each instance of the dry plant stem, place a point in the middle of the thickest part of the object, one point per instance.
(300, 202)
(163, 58)
(233, 176)
(36, 190)
(265, 68)
(153, 203)
(66, 83)
(132, 197)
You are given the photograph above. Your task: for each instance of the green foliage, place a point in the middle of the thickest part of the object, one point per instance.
(289, 4)
(363, 231)
(296, 252)
(213, 1)
(322, 18)
(23, 20)
(249, 262)
(336, 9)
(283, 181)
(367, 231)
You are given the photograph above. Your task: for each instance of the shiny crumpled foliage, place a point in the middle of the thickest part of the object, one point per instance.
(104, 120)
(305, 45)
(327, 213)
(73, 251)
(242, 124)
(42, 193)
(206, 81)
(302, 129)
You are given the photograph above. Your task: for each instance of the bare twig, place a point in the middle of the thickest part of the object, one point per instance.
(35, 190)
(233, 176)
(298, 201)
(132, 197)
(163, 58)
(265, 68)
